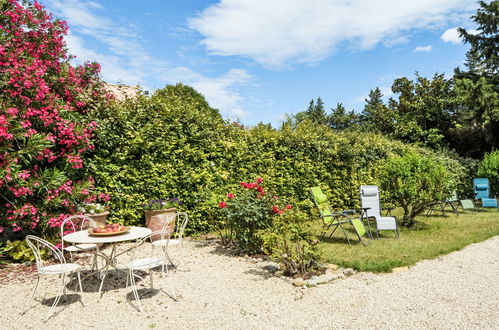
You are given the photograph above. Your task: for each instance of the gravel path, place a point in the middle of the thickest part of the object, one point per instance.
(458, 291)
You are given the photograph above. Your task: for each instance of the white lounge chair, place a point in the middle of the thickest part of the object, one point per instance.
(369, 199)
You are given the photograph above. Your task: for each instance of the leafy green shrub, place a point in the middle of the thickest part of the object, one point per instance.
(3, 253)
(21, 252)
(248, 211)
(414, 181)
(292, 243)
(489, 168)
(168, 145)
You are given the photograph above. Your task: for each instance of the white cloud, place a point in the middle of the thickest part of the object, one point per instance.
(221, 91)
(451, 35)
(423, 48)
(123, 57)
(282, 32)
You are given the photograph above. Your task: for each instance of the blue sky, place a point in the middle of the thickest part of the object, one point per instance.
(256, 60)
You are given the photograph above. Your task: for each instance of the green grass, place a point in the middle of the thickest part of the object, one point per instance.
(433, 236)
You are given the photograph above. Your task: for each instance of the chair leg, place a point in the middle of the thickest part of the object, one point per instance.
(170, 282)
(344, 232)
(32, 294)
(56, 301)
(81, 287)
(134, 289)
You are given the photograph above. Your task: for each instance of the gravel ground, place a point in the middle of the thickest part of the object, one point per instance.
(457, 291)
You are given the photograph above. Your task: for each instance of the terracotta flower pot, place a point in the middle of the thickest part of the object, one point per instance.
(155, 220)
(99, 218)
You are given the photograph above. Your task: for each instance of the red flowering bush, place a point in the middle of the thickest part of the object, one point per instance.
(44, 123)
(249, 210)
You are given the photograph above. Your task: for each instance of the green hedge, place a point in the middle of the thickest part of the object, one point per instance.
(174, 145)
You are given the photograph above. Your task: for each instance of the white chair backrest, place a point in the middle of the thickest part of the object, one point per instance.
(369, 197)
(74, 223)
(37, 244)
(181, 223)
(148, 239)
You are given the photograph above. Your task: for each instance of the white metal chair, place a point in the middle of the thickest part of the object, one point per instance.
(176, 238)
(72, 224)
(369, 198)
(148, 263)
(60, 268)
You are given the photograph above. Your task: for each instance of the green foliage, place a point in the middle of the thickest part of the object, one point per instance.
(424, 110)
(483, 56)
(168, 145)
(341, 119)
(414, 181)
(3, 253)
(377, 116)
(290, 241)
(316, 112)
(489, 168)
(21, 252)
(248, 210)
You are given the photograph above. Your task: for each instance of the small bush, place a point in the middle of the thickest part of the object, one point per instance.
(489, 168)
(249, 210)
(415, 181)
(290, 241)
(21, 252)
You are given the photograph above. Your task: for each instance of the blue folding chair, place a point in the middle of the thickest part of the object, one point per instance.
(481, 187)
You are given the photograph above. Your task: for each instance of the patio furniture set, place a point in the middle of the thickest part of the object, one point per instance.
(359, 220)
(81, 238)
(370, 211)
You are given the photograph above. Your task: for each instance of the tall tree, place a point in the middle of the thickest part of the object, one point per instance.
(376, 115)
(316, 112)
(478, 88)
(483, 56)
(341, 119)
(424, 109)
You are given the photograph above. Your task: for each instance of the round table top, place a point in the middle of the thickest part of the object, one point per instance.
(83, 236)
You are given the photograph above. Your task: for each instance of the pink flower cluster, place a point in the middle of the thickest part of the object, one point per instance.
(43, 105)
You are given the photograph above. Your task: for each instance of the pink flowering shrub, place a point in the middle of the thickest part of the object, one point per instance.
(44, 123)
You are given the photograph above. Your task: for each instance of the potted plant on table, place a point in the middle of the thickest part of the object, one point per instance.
(160, 211)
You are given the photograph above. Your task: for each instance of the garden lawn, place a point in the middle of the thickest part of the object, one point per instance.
(433, 236)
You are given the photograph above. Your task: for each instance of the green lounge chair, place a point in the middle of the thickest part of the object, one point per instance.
(336, 219)
(467, 204)
(452, 202)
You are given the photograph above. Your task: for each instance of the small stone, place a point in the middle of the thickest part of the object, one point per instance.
(27, 263)
(331, 271)
(314, 278)
(271, 267)
(340, 270)
(299, 282)
(340, 275)
(311, 282)
(348, 271)
(325, 278)
(400, 269)
(332, 266)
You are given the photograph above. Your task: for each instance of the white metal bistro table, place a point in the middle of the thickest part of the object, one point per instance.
(83, 237)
